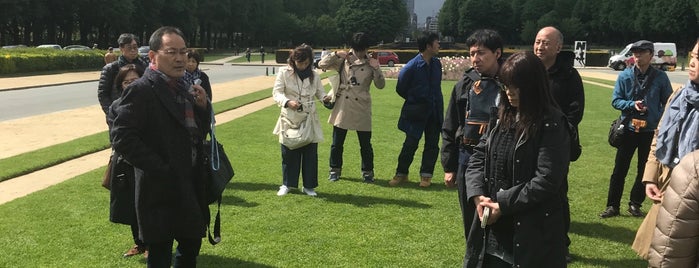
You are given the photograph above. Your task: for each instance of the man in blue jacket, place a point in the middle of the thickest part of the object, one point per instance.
(640, 93)
(419, 83)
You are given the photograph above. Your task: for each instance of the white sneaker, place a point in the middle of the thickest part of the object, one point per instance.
(309, 191)
(283, 190)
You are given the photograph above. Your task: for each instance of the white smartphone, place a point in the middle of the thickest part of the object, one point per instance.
(486, 215)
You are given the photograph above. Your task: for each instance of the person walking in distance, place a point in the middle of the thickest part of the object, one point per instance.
(419, 84)
(640, 93)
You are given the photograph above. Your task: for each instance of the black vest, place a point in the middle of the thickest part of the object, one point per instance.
(483, 98)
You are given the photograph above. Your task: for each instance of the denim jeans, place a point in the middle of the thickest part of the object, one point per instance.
(429, 153)
(336, 149)
(304, 160)
(160, 254)
(624, 155)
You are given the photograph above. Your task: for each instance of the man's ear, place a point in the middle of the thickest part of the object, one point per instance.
(498, 53)
(151, 56)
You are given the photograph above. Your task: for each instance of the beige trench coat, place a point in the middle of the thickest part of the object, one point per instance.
(352, 109)
(288, 86)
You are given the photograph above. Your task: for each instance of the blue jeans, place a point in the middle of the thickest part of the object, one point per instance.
(304, 159)
(337, 148)
(624, 154)
(160, 254)
(429, 153)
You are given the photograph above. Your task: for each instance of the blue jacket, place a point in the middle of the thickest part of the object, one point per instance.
(655, 98)
(420, 84)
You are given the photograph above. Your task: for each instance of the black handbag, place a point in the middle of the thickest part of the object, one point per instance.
(617, 131)
(220, 173)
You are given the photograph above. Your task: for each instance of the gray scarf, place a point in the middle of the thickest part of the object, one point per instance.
(680, 125)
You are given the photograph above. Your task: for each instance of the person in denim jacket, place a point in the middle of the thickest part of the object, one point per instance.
(640, 93)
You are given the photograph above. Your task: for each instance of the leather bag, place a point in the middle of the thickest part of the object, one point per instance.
(617, 131)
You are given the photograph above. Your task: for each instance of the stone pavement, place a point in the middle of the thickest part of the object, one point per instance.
(34, 132)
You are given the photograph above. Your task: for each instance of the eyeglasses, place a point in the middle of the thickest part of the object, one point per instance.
(172, 52)
(130, 47)
(127, 82)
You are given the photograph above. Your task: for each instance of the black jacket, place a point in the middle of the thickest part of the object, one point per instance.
(567, 88)
(533, 209)
(149, 131)
(107, 92)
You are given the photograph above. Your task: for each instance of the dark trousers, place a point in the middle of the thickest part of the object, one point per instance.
(624, 154)
(305, 160)
(160, 254)
(338, 145)
(468, 209)
(134, 233)
(429, 153)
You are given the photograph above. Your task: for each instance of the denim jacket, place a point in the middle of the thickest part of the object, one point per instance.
(623, 98)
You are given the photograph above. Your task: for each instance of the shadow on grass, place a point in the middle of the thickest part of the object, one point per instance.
(219, 261)
(609, 263)
(435, 187)
(602, 231)
(366, 201)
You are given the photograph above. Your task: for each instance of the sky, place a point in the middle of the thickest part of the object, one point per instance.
(427, 8)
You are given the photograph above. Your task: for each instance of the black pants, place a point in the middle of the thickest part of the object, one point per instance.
(160, 254)
(624, 154)
(134, 233)
(338, 147)
(468, 209)
(429, 153)
(300, 160)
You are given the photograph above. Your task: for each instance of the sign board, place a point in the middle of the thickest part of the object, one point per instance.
(580, 53)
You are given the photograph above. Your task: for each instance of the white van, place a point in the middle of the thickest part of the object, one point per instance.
(664, 57)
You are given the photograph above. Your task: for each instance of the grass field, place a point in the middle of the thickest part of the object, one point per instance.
(350, 224)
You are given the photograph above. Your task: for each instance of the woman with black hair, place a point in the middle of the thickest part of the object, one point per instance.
(516, 175)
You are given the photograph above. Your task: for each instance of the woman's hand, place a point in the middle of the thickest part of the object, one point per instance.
(292, 104)
(494, 211)
(327, 98)
(653, 192)
(374, 63)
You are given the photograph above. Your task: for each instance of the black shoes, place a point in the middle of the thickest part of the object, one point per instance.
(334, 176)
(609, 212)
(368, 176)
(635, 211)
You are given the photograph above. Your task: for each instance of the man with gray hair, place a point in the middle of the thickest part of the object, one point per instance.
(565, 84)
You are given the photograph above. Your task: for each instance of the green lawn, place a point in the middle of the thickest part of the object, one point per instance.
(349, 224)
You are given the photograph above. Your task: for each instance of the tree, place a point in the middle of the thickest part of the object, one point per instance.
(382, 20)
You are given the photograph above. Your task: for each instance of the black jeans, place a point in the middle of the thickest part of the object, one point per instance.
(305, 160)
(429, 153)
(624, 154)
(160, 254)
(338, 146)
(468, 208)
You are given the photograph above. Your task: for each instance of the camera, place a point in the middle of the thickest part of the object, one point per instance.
(353, 81)
(300, 109)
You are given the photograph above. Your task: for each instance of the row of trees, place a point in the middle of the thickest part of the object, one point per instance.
(597, 21)
(207, 23)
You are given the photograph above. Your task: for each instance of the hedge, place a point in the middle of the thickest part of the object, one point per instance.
(27, 60)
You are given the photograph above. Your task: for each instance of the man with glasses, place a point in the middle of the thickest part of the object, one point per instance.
(160, 126)
(469, 112)
(107, 92)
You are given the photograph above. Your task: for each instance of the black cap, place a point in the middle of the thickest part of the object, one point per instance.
(642, 45)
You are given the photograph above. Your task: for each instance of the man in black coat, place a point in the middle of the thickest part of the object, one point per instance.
(107, 92)
(566, 85)
(160, 125)
(472, 100)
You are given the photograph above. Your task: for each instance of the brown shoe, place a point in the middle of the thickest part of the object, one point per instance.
(135, 250)
(397, 180)
(425, 181)
(145, 254)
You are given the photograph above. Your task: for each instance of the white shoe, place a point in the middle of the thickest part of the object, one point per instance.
(309, 191)
(283, 190)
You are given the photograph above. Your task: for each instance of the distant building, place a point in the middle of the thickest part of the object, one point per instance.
(412, 19)
(432, 24)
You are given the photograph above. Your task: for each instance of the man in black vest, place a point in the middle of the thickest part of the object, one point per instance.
(565, 81)
(467, 116)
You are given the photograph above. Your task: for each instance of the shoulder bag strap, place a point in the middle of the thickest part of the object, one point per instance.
(215, 165)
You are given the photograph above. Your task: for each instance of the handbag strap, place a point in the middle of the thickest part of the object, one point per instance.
(215, 165)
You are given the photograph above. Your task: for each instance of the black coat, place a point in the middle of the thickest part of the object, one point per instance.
(533, 209)
(122, 203)
(567, 89)
(149, 131)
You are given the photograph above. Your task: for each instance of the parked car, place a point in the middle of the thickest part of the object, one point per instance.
(13, 46)
(52, 46)
(664, 57)
(76, 47)
(386, 57)
(316, 58)
(143, 53)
